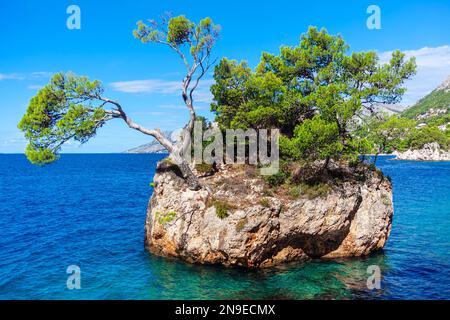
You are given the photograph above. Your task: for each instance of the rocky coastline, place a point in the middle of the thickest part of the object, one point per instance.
(429, 152)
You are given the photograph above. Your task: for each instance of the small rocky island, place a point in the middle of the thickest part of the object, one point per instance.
(325, 201)
(241, 221)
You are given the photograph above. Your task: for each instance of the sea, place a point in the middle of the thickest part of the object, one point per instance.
(84, 216)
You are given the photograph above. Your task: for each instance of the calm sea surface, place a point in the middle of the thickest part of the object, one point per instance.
(89, 210)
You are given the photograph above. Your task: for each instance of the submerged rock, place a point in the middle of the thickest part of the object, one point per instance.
(258, 228)
(429, 152)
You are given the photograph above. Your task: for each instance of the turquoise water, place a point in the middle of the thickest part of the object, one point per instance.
(89, 210)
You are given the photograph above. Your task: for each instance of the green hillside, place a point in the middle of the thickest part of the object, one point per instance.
(437, 100)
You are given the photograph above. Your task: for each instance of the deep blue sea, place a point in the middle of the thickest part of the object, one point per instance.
(89, 211)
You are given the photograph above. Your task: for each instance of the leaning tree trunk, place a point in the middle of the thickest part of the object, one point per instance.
(325, 165)
(379, 150)
(190, 178)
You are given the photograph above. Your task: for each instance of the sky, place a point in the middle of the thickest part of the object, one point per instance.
(35, 43)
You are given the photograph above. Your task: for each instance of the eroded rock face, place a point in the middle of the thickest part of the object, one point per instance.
(429, 152)
(262, 230)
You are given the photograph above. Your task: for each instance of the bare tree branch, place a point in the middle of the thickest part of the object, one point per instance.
(120, 113)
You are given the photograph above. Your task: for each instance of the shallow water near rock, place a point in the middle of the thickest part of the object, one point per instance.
(89, 210)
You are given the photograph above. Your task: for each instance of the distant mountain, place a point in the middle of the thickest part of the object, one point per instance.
(155, 146)
(389, 108)
(432, 106)
(152, 147)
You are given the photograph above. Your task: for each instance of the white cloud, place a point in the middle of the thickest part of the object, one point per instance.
(35, 87)
(160, 86)
(147, 86)
(150, 113)
(41, 74)
(24, 76)
(11, 76)
(203, 95)
(171, 106)
(433, 67)
(10, 138)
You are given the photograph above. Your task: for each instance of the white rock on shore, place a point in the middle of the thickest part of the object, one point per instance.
(429, 152)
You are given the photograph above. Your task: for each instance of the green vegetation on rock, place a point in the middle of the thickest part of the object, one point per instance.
(165, 217)
(436, 100)
(221, 209)
(315, 94)
(312, 92)
(387, 133)
(421, 136)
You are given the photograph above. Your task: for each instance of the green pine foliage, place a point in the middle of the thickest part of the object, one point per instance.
(421, 136)
(312, 92)
(164, 218)
(71, 107)
(61, 111)
(388, 133)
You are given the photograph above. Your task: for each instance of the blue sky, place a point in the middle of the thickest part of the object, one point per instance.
(35, 43)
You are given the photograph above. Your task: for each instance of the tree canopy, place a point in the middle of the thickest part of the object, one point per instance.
(421, 136)
(73, 107)
(387, 133)
(313, 93)
(64, 109)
